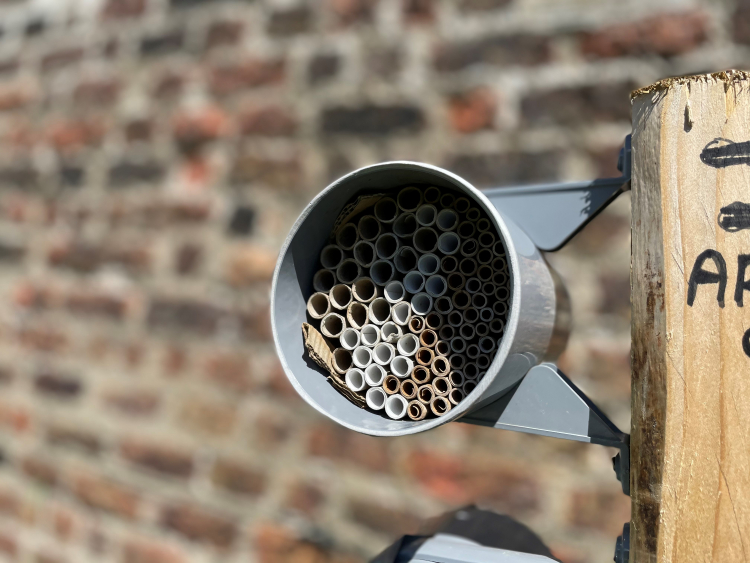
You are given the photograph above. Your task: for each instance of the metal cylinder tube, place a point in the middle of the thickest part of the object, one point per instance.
(382, 271)
(347, 236)
(405, 225)
(428, 338)
(409, 199)
(342, 360)
(441, 386)
(416, 324)
(421, 375)
(448, 243)
(425, 394)
(355, 379)
(375, 398)
(386, 210)
(405, 259)
(386, 246)
(340, 297)
(395, 407)
(416, 410)
(426, 215)
(348, 271)
(448, 264)
(443, 305)
(447, 220)
(424, 356)
(408, 344)
(364, 253)
(332, 325)
(362, 357)
(401, 366)
(368, 228)
(436, 285)
(324, 280)
(383, 353)
(318, 306)
(408, 389)
(421, 304)
(390, 332)
(357, 315)
(369, 335)
(349, 338)
(425, 240)
(374, 375)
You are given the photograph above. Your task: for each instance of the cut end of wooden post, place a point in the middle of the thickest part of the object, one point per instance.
(729, 77)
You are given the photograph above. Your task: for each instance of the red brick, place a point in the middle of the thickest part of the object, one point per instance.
(195, 128)
(61, 58)
(188, 315)
(238, 477)
(147, 551)
(106, 495)
(11, 504)
(133, 402)
(161, 458)
(8, 545)
(271, 121)
(208, 417)
(188, 258)
(97, 304)
(169, 85)
(419, 11)
(261, 171)
(58, 385)
(222, 33)
(86, 257)
(40, 470)
(175, 360)
(473, 110)
(197, 524)
(277, 544)
(501, 50)
(350, 12)
(601, 509)
(665, 35)
(249, 264)
(66, 524)
(81, 440)
(139, 130)
(69, 135)
(43, 557)
(102, 92)
(290, 21)
(338, 443)
(230, 370)
(14, 97)
(305, 498)
(118, 9)
(483, 5)
(372, 120)
(253, 73)
(741, 22)
(14, 417)
(385, 520)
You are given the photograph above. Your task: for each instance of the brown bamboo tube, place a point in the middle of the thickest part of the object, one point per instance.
(456, 377)
(357, 315)
(484, 225)
(342, 360)
(324, 280)
(440, 405)
(440, 366)
(428, 338)
(416, 324)
(469, 247)
(408, 389)
(425, 394)
(442, 347)
(416, 410)
(391, 384)
(425, 356)
(332, 325)
(485, 239)
(318, 306)
(421, 375)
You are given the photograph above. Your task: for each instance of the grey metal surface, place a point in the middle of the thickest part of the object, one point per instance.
(445, 548)
(551, 214)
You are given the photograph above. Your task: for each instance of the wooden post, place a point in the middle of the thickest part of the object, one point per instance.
(690, 444)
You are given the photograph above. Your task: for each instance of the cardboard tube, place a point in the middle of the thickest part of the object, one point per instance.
(466, 331)
(455, 318)
(455, 396)
(479, 301)
(447, 220)
(414, 282)
(374, 375)
(421, 304)
(405, 225)
(364, 290)
(318, 306)
(443, 347)
(433, 321)
(473, 214)
(456, 281)
(425, 240)
(348, 271)
(408, 344)
(368, 227)
(447, 332)
(332, 325)
(468, 387)
(497, 326)
(348, 236)
(487, 344)
(486, 314)
(349, 338)
(447, 200)
(436, 285)
(489, 289)
(425, 356)
(481, 375)
(386, 210)
(406, 259)
(472, 351)
(458, 345)
(461, 300)
(458, 361)
(471, 315)
(462, 205)
(426, 215)
(484, 273)
(416, 410)
(428, 264)
(401, 366)
(382, 271)
(482, 329)
(380, 311)
(473, 285)
(395, 407)
(416, 324)
(443, 305)
(401, 313)
(362, 357)
(386, 246)
(425, 394)
(441, 386)
(466, 230)
(383, 353)
(364, 253)
(409, 199)
(470, 370)
(483, 226)
(485, 256)
(469, 247)
(340, 297)
(467, 266)
(428, 338)
(375, 398)
(432, 195)
(483, 361)
(499, 277)
(500, 264)
(324, 280)
(357, 315)
(355, 379)
(331, 256)
(448, 264)
(498, 249)
(342, 360)
(394, 292)
(440, 366)
(369, 335)
(499, 308)
(421, 375)
(408, 389)
(391, 384)
(456, 377)
(390, 332)
(502, 294)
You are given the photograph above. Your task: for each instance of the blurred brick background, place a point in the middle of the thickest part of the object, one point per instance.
(153, 155)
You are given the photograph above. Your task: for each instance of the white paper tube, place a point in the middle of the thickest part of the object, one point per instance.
(448, 264)
(485, 256)
(462, 205)
(369, 335)
(468, 387)
(386, 210)
(497, 326)
(458, 345)
(440, 366)
(380, 311)
(357, 315)
(441, 386)
(395, 407)
(324, 280)
(456, 378)
(447, 332)
(433, 321)
(391, 384)
(340, 297)
(364, 253)
(426, 215)
(382, 271)
(489, 289)
(498, 249)
(469, 247)
(425, 394)
(484, 273)
(431, 195)
(479, 300)
(409, 199)
(369, 228)
(349, 338)
(472, 351)
(473, 214)
(331, 256)
(470, 370)
(500, 308)
(408, 344)
(455, 318)
(447, 220)
(355, 379)
(442, 348)
(502, 294)
(471, 315)
(455, 396)
(394, 292)
(484, 225)
(383, 353)
(436, 285)
(487, 344)
(401, 313)
(447, 200)
(375, 398)
(318, 306)
(466, 331)
(348, 236)
(374, 375)
(425, 240)
(461, 300)
(443, 305)
(428, 264)
(416, 410)
(416, 324)
(348, 271)
(486, 314)
(466, 230)
(421, 375)
(332, 325)
(390, 332)
(408, 389)
(421, 304)
(482, 329)
(364, 290)
(473, 285)
(467, 266)
(405, 225)
(401, 366)
(414, 282)
(458, 361)
(362, 357)
(456, 281)
(386, 246)
(406, 259)
(428, 338)
(483, 361)
(342, 360)
(424, 356)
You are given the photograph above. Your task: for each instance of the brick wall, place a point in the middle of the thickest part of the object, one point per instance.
(155, 154)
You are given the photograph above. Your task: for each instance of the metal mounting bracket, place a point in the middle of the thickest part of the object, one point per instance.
(551, 214)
